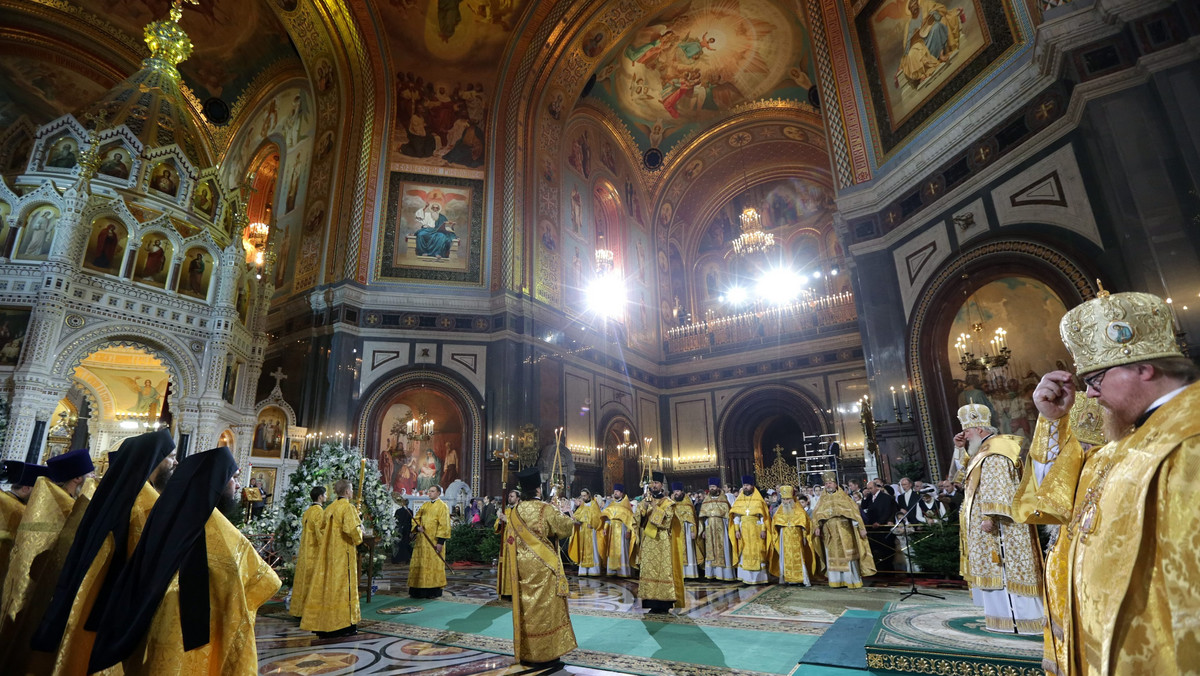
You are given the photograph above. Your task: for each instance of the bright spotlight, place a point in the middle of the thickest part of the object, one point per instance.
(606, 295)
(736, 295)
(817, 274)
(833, 272)
(779, 286)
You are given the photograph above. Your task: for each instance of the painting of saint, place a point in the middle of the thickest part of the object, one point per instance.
(38, 234)
(204, 200)
(232, 369)
(293, 189)
(269, 433)
(429, 470)
(149, 395)
(13, 324)
(580, 156)
(440, 123)
(116, 162)
(920, 45)
(196, 273)
(434, 222)
(576, 212)
(63, 153)
(593, 43)
(106, 247)
(153, 261)
(435, 233)
(420, 463)
(165, 179)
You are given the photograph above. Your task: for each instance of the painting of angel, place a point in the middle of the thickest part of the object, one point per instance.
(149, 395)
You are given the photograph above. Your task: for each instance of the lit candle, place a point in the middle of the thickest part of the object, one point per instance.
(893, 397)
(907, 404)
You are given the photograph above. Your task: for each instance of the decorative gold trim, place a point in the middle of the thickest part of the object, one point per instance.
(947, 665)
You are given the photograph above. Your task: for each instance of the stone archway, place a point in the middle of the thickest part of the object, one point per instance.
(751, 417)
(620, 461)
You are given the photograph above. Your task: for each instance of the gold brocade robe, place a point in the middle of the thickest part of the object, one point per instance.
(76, 645)
(503, 563)
(312, 529)
(618, 515)
(714, 532)
(541, 622)
(687, 515)
(332, 599)
(795, 542)
(427, 569)
(750, 550)
(582, 547)
(1121, 579)
(239, 583)
(661, 573)
(841, 524)
(33, 569)
(11, 511)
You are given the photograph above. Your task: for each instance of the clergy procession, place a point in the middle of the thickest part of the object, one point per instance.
(143, 570)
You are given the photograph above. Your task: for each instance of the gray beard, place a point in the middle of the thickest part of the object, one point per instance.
(973, 446)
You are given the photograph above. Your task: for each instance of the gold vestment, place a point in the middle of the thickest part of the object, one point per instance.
(239, 583)
(714, 533)
(841, 526)
(617, 515)
(795, 542)
(76, 645)
(427, 569)
(11, 511)
(750, 550)
(312, 529)
(582, 548)
(687, 515)
(541, 622)
(503, 563)
(1121, 579)
(332, 599)
(661, 574)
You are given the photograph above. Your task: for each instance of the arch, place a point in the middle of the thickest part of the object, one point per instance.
(180, 365)
(929, 363)
(618, 463)
(740, 424)
(446, 383)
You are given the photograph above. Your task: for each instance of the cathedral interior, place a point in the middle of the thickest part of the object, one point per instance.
(698, 236)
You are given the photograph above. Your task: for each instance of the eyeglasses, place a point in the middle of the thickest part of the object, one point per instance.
(1093, 381)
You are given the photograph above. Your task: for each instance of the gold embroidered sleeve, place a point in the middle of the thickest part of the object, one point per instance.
(1052, 500)
(1178, 539)
(997, 487)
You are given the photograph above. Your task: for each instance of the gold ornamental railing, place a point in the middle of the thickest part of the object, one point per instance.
(764, 322)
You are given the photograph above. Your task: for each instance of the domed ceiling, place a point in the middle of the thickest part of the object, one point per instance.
(697, 62)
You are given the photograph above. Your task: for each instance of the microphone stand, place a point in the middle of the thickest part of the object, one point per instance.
(908, 563)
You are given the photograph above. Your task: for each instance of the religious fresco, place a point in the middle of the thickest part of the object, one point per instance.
(1030, 311)
(164, 178)
(447, 56)
(44, 91)
(294, 171)
(287, 116)
(232, 41)
(63, 153)
(204, 199)
(153, 262)
(106, 246)
(700, 60)
(433, 229)
(919, 54)
(413, 464)
(137, 389)
(233, 369)
(270, 433)
(116, 160)
(195, 273)
(14, 322)
(37, 235)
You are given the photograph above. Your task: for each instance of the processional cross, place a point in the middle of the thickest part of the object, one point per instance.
(504, 455)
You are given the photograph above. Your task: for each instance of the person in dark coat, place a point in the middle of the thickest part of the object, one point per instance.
(881, 512)
(404, 516)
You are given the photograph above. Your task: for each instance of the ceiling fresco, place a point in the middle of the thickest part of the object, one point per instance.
(233, 40)
(445, 57)
(42, 90)
(700, 60)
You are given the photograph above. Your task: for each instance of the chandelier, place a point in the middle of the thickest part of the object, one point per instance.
(604, 258)
(256, 235)
(975, 351)
(418, 427)
(752, 240)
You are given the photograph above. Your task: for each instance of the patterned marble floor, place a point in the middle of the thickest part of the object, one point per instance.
(285, 650)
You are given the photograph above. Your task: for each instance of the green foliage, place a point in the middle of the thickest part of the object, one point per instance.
(324, 466)
(477, 545)
(935, 549)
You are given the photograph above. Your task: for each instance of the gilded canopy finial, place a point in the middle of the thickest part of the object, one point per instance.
(169, 44)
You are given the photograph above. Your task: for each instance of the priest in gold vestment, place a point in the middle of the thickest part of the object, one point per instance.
(620, 534)
(689, 555)
(794, 558)
(40, 547)
(431, 528)
(12, 507)
(331, 604)
(751, 533)
(1121, 577)
(503, 563)
(116, 513)
(838, 523)
(660, 578)
(999, 558)
(584, 546)
(542, 629)
(187, 600)
(714, 534)
(312, 529)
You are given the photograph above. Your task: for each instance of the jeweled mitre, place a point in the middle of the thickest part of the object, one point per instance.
(1121, 328)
